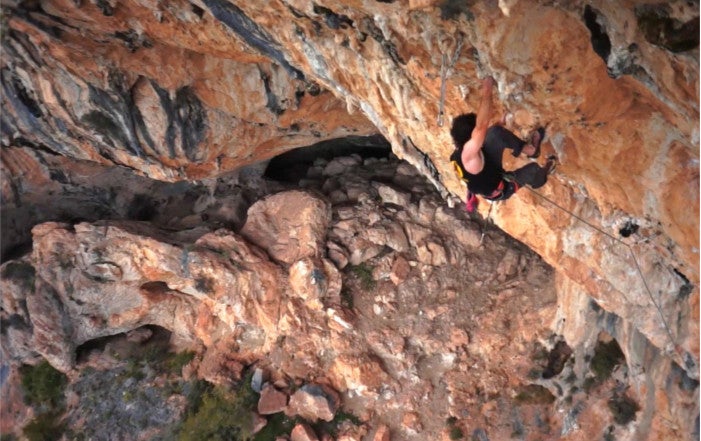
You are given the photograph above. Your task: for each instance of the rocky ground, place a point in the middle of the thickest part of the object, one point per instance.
(352, 291)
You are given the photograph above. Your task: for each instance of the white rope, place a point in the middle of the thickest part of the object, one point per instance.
(446, 67)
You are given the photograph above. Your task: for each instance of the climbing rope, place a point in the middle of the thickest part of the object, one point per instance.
(486, 222)
(446, 66)
(632, 253)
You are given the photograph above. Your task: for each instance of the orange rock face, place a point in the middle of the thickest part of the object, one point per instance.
(189, 91)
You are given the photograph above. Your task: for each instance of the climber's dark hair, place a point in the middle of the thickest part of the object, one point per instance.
(462, 128)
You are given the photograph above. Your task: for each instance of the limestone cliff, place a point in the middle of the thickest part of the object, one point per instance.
(190, 90)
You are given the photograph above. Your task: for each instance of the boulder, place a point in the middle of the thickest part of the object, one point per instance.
(289, 226)
(314, 402)
(271, 400)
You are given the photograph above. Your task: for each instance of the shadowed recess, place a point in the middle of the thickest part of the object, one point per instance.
(600, 41)
(292, 166)
(662, 30)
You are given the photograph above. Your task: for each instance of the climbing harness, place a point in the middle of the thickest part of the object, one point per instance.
(632, 253)
(507, 187)
(446, 66)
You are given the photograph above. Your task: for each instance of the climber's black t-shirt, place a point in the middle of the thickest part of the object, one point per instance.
(484, 182)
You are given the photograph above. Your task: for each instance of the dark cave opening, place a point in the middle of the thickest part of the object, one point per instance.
(292, 166)
(600, 41)
(147, 338)
(16, 251)
(115, 193)
(557, 358)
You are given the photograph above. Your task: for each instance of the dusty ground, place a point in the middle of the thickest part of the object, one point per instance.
(496, 322)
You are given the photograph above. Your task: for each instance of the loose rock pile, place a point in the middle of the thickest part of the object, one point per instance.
(360, 290)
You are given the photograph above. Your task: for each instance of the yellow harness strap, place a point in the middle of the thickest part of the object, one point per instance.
(458, 170)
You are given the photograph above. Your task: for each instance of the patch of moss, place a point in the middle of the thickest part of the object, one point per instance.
(42, 384)
(44, 389)
(221, 416)
(364, 273)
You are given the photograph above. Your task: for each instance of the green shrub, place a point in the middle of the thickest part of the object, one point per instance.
(278, 424)
(42, 384)
(134, 370)
(45, 427)
(217, 413)
(175, 362)
(364, 273)
(221, 416)
(606, 357)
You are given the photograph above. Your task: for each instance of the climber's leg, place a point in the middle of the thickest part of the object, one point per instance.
(498, 138)
(533, 175)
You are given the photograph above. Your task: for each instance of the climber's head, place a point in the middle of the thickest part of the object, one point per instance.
(461, 131)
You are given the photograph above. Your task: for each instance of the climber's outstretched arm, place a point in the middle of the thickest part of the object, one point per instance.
(471, 159)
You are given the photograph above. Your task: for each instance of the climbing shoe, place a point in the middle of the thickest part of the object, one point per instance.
(536, 139)
(471, 202)
(551, 164)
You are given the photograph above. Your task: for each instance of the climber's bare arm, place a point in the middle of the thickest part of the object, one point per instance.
(472, 160)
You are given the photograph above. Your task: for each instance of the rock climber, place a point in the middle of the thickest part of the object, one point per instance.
(478, 154)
